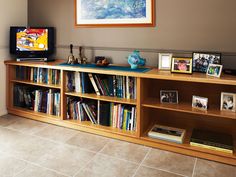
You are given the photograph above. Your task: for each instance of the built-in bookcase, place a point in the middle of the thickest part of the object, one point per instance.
(121, 105)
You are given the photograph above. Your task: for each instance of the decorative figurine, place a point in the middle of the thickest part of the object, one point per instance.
(71, 58)
(135, 60)
(82, 59)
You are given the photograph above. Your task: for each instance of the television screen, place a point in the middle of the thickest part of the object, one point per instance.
(33, 42)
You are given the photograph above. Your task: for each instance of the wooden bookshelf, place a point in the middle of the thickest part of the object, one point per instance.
(149, 109)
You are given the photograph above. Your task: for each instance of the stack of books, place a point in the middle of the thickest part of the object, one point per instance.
(212, 140)
(38, 75)
(123, 116)
(108, 85)
(40, 100)
(81, 110)
(172, 134)
(102, 113)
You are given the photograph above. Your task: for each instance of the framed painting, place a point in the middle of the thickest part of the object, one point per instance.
(110, 13)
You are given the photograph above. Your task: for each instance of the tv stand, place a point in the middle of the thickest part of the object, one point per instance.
(34, 59)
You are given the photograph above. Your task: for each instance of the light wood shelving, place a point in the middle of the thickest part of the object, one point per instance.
(93, 96)
(149, 108)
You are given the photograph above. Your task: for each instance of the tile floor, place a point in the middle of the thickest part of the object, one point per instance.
(33, 149)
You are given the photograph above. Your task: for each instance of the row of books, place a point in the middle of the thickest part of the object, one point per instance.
(108, 85)
(102, 113)
(200, 138)
(38, 75)
(39, 100)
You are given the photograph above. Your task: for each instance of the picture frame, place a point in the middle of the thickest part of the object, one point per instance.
(169, 96)
(200, 103)
(214, 70)
(90, 13)
(181, 65)
(227, 102)
(164, 61)
(201, 60)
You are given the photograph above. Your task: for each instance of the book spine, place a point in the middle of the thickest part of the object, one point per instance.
(94, 84)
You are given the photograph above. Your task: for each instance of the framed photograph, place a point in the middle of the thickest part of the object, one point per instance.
(181, 65)
(199, 102)
(214, 70)
(169, 96)
(165, 61)
(90, 13)
(227, 101)
(202, 60)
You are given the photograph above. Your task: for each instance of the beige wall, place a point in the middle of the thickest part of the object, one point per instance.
(181, 25)
(12, 12)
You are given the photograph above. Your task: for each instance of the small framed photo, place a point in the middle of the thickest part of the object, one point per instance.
(202, 60)
(199, 102)
(214, 70)
(228, 101)
(169, 96)
(165, 61)
(181, 65)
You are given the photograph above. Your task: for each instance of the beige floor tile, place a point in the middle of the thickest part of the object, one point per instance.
(35, 171)
(31, 148)
(9, 138)
(125, 150)
(10, 166)
(175, 163)
(27, 126)
(56, 133)
(150, 172)
(106, 166)
(88, 141)
(206, 168)
(8, 119)
(66, 159)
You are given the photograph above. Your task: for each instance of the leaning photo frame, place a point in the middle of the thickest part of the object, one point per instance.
(164, 61)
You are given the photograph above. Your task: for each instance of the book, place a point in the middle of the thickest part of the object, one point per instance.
(94, 84)
(212, 140)
(104, 113)
(167, 133)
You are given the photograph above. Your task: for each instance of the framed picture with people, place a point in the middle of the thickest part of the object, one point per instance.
(199, 102)
(181, 65)
(201, 61)
(228, 101)
(169, 96)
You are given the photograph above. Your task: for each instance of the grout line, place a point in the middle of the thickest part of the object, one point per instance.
(142, 162)
(20, 170)
(194, 168)
(159, 169)
(97, 153)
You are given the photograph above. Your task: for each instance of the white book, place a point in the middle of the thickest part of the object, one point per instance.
(98, 113)
(78, 88)
(127, 88)
(132, 119)
(94, 84)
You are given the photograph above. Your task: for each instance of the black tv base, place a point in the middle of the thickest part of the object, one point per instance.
(34, 59)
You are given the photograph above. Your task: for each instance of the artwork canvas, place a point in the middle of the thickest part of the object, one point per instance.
(96, 13)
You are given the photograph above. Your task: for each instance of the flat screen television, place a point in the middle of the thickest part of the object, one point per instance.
(32, 42)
